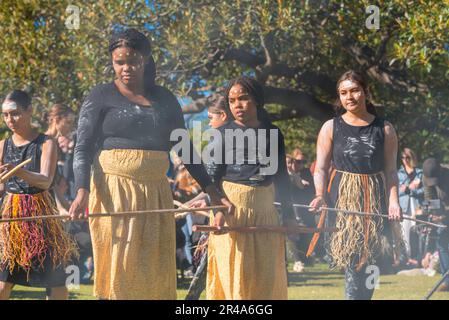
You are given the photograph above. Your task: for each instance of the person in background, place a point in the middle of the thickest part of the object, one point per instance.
(61, 120)
(302, 193)
(411, 193)
(61, 123)
(218, 115)
(185, 189)
(436, 188)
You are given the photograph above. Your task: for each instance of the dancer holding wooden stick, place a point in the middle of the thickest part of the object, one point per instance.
(218, 115)
(363, 150)
(244, 265)
(32, 253)
(124, 131)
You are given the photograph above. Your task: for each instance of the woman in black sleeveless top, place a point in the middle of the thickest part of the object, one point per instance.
(33, 253)
(363, 151)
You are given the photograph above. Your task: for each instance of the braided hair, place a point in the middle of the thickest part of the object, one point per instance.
(255, 90)
(133, 39)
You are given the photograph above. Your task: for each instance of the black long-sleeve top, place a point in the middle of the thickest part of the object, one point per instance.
(248, 171)
(108, 120)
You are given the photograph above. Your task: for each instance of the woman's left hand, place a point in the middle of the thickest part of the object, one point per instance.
(394, 212)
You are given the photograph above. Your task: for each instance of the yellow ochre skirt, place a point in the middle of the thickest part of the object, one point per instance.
(248, 266)
(134, 256)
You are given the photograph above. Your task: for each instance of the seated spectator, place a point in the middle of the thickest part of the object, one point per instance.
(429, 266)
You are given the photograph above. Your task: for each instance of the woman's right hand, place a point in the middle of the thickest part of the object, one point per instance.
(317, 203)
(216, 199)
(219, 221)
(79, 205)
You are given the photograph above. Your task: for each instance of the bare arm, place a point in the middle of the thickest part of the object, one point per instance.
(44, 178)
(323, 158)
(390, 171)
(323, 162)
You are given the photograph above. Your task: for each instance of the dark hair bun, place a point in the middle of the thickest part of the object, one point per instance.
(20, 97)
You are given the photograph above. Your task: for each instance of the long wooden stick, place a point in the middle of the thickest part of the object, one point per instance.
(360, 213)
(253, 229)
(10, 173)
(437, 285)
(117, 214)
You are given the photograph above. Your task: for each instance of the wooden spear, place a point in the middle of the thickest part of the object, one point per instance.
(254, 229)
(117, 214)
(372, 215)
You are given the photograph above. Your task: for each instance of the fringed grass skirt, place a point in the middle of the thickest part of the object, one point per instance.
(134, 256)
(34, 253)
(245, 266)
(358, 240)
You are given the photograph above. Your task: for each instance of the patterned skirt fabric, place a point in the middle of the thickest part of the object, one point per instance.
(244, 266)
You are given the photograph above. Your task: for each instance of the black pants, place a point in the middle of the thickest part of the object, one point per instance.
(359, 285)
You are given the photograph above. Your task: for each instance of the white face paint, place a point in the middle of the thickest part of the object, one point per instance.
(9, 105)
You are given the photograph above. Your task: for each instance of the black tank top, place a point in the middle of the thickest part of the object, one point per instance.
(358, 149)
(15, 155)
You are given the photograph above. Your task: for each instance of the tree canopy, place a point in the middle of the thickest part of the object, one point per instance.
(296, 49)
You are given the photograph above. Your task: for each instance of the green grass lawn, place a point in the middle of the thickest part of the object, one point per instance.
(316, 283)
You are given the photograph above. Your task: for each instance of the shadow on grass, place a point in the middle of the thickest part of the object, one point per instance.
(315, 284)
(327, 275)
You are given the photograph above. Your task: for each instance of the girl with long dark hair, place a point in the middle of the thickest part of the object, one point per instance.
(241, 265)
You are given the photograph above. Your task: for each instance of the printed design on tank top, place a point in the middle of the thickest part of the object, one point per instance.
(16, 154)
(358, 149)
(365, 142)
